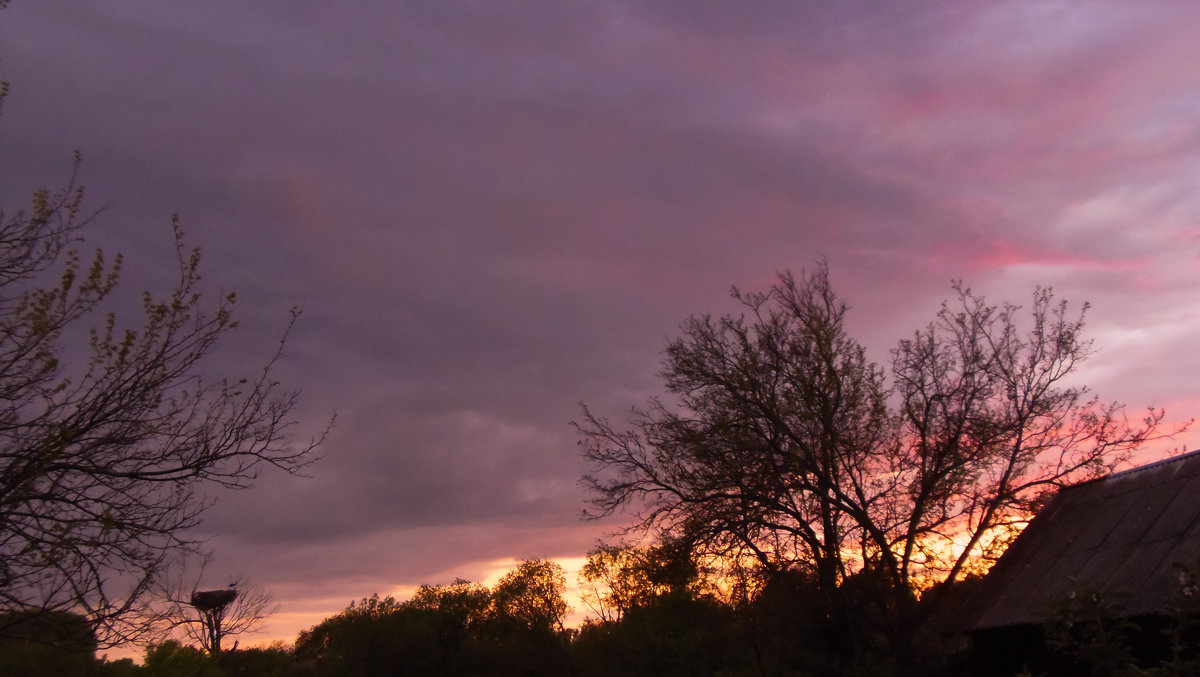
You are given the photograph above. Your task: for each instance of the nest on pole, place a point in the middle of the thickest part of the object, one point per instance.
(212, 600)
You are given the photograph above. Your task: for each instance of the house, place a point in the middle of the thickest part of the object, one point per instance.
(1120, 537)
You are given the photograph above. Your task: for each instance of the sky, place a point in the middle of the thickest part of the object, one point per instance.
(490, 213)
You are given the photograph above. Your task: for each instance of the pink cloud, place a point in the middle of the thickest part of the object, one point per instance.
(995, 253)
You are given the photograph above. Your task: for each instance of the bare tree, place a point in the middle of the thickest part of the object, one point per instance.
(208, 617)
(787, 444)
(104, 446)
(781, 428)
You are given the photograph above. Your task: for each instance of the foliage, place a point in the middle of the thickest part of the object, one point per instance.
(461, 599)
(173, 659)
(672, 634)
(624, 576)
(347, 638)
(1090, 632)
(461, 608)
(59, 643)
(656, 614)
(532, 594)
(789, 446)
(460, 628)
(272, 661)
(613, 574)
(1183, 612)
(123, 667)
(101, 465)
(1093, 631)
(108, 433)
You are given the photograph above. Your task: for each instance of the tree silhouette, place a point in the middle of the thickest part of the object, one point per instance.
(208, 617)
(532, 594)
(624, 576)
(784, 446)
(105, 445)
(59, 643)
(457, 629)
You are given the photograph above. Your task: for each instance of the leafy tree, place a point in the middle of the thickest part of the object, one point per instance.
(60, 643)
(122, 667)
(532, 594)
(614, 586)
(464, 607)
(379, 636)
(347, 640)
(672, 634)
(173, 659)
(272, 661)
(457, 629)
(1183, 616)
(621, 577)
(658, 614)
(789, 446)
(1093, 632)
(106, 442)
(525, 633)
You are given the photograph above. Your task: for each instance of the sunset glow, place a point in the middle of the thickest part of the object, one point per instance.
(492, 212)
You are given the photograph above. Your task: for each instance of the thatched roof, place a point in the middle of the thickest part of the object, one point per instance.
(1121, 534)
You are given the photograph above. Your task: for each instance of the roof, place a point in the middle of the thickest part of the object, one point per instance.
(1119, 534)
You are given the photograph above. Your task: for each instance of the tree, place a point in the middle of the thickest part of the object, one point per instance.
(173, 659)
(457, 629)
(359, 640)
(275, 660)
(789, 446)
(467, 605)
(532, 594)
(106, 445)
(207, 617)
(624, 576)
(59, 643)
(612, 574)
(667, 635)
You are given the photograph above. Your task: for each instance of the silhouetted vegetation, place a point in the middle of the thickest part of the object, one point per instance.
(109, 430)
(103, 450)
(458, 629)
(1090, 632)
(788, 453)
(207, 618)
(680, 616)
(59, 643)
(809, 518)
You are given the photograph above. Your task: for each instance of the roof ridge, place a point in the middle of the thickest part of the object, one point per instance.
(1132, 471)
(1154, 464)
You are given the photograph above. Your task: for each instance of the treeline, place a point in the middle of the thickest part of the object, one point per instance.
(658, 609)
(653, 610)
(458, 629)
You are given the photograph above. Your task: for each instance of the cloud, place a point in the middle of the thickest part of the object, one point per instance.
(490, 213)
